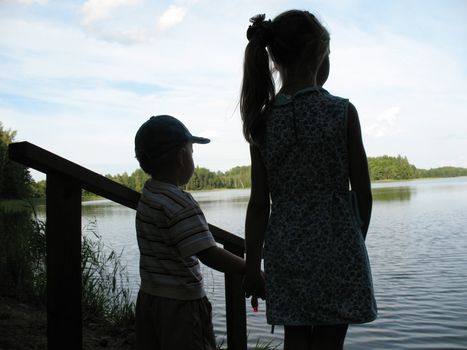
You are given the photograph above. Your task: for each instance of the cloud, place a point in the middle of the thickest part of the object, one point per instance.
(172, 16)
(385, 123)
(67, 77)
(134, 28)
(32, 2)
(94, 10)
(127, 36)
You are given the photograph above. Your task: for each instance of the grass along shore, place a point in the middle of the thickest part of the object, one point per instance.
(108, 310)
(107, 306)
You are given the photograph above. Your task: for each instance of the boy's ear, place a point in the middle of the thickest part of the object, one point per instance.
(181, 156)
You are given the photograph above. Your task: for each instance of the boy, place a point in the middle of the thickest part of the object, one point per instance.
(172, 311)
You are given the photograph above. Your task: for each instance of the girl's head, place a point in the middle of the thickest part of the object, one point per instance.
(296, 42)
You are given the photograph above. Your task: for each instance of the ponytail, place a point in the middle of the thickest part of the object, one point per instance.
(258, 89)
(294, 38)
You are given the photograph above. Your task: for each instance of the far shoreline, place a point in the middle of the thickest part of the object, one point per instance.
(6, 203)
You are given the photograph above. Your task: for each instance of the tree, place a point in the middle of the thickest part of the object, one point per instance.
(15, 179)
(391, 168)
(38, 189)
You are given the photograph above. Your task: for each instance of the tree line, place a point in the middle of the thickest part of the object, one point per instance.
(399, 168)
(202, 179)
(16, 181)
(381, 169)
(391, 168)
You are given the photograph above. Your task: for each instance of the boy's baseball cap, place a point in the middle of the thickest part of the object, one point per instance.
(160, 134)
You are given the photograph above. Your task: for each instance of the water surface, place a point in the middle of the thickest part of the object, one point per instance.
(417, 245)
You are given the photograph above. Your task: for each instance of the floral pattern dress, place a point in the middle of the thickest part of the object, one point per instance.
(315, 259)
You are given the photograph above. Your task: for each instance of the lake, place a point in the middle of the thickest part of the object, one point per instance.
(417, 243)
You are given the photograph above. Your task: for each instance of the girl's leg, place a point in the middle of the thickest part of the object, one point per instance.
(297, 337)
(328, 337)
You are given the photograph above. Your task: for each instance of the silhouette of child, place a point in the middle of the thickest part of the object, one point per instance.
(172, 311)
(306, 147)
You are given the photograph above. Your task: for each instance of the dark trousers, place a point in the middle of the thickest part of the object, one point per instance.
(170, 324)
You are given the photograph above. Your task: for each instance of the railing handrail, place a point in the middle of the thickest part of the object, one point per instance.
(44, 161)
(65, 180)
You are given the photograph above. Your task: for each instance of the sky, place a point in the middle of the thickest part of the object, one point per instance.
(79, 77)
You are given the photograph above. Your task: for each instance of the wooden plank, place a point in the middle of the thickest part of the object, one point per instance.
(46, 162)
(63, 238)
(235, 306)
(224, 237)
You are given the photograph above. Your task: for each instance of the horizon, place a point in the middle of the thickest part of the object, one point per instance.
(129, 173)
(79, 78)
(249, 165)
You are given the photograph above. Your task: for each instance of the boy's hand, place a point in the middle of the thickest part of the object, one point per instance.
(253, 284)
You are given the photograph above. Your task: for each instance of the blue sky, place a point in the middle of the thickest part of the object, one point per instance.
(79, 77)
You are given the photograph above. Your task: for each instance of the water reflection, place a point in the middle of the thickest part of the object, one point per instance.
(417, 244)
(387, 194)
(239, 196)
(104, 208)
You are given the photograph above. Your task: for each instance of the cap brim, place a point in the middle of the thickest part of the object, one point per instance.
(196, 139)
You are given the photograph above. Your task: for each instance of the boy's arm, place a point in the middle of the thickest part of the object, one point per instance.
(222, 260)
(358, 168)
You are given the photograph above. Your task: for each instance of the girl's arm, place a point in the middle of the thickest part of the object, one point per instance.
(358, 167)
(257, 217)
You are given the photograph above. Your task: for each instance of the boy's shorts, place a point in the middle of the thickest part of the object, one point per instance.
(171, 324)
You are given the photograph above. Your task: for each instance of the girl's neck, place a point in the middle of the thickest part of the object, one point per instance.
(296, 82)
(292, 89)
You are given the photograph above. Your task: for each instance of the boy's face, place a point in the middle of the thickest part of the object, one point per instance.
(187, 163)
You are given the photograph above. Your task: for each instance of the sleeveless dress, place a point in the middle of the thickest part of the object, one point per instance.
(315, 259)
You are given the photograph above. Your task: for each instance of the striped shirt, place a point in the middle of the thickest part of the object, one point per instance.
(171, 229)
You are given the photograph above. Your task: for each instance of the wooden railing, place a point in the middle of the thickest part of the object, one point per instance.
(65, 180)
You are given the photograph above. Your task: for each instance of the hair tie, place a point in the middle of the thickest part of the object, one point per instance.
(260, 30)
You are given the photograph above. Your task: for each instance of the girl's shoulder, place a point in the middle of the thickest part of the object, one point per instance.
(319, 92)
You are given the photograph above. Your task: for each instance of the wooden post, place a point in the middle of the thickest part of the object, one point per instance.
(235, 306)
(63, 237)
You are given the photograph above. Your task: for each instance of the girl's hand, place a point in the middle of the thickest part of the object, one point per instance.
(254, 303)
(254, 284)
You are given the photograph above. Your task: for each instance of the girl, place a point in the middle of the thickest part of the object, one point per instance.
(305, 147)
